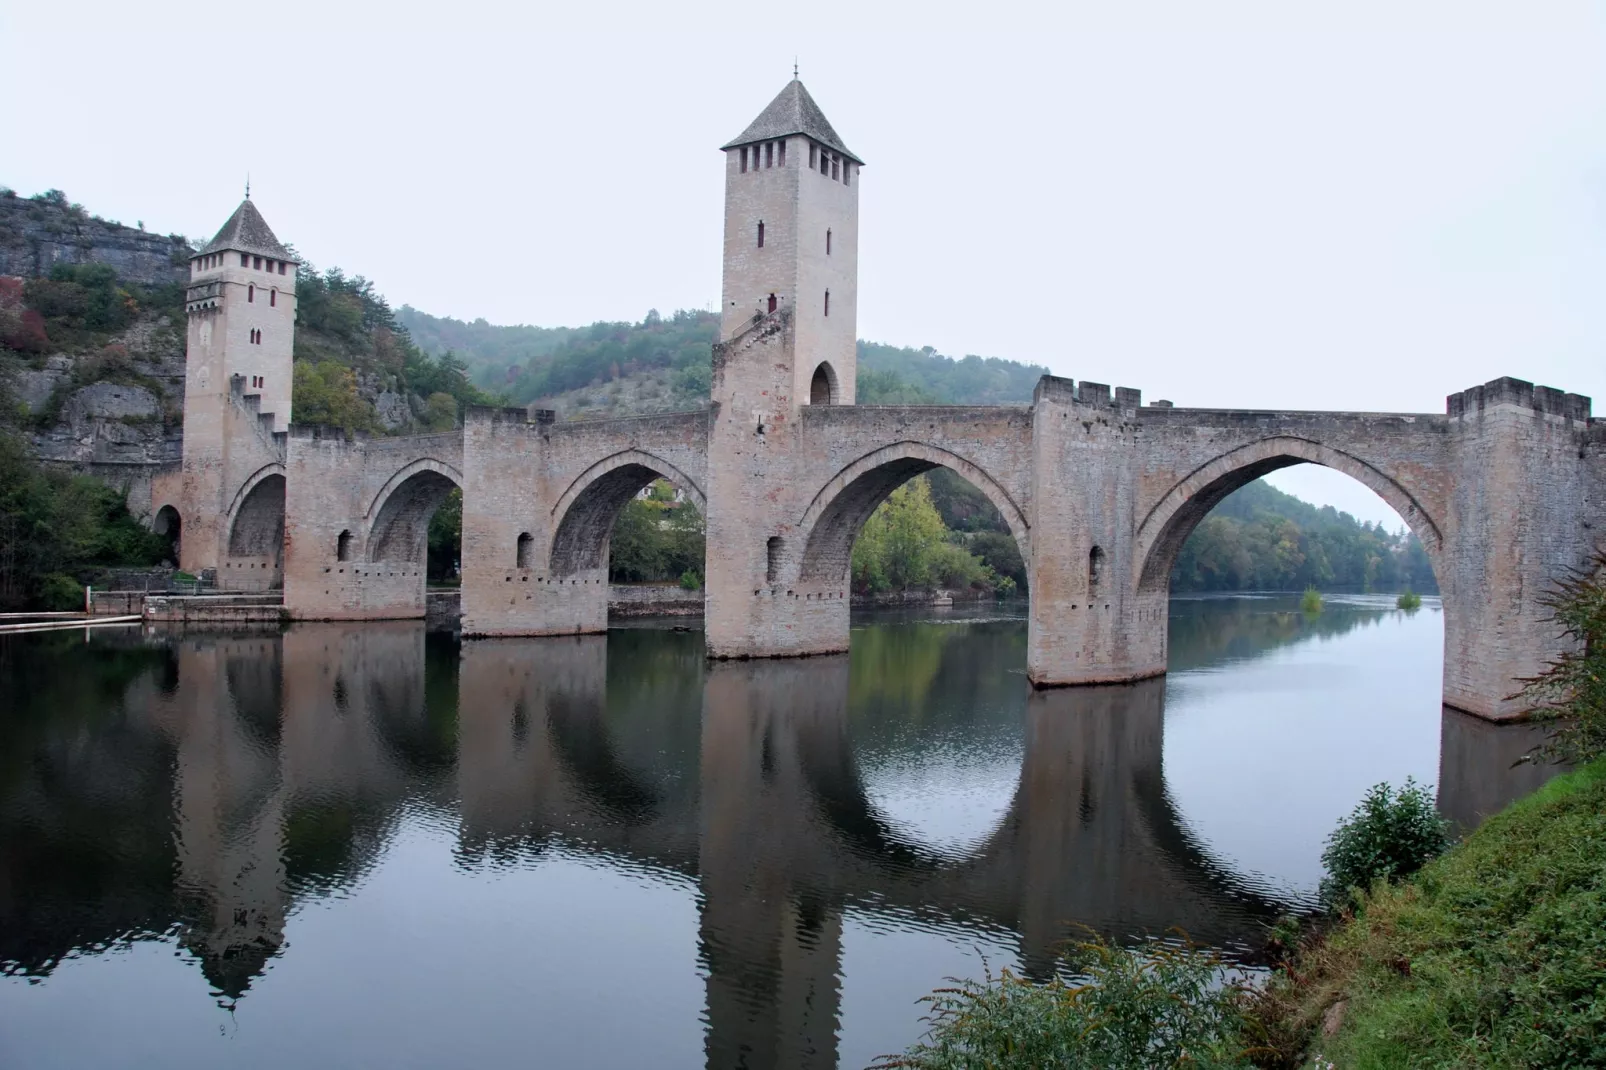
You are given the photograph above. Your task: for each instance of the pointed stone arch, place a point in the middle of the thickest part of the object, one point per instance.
(398, 519)
(583, 516)
(1172, 519)
(839, 509)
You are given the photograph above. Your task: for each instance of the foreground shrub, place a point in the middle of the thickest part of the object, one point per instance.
(1571, 692)
(1390, 835)
(1145, 1009)
(1492, 956)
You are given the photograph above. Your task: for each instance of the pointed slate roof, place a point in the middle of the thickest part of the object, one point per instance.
(247, 232)
(792, 112)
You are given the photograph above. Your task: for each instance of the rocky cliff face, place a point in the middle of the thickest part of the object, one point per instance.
(37, 233)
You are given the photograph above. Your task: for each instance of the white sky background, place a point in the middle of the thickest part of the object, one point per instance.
(1340, 206)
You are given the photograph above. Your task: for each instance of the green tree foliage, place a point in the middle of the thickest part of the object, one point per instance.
(1260, 538)
(1571, 693)
(1156, 1007)
(1389, 836)
(342, 320)
(681, 343)
(81, 305)
(656, 540)
(326, 393)
(905, 546)
(944, 380)
(445, 540)
(58, 530)
(442, 409)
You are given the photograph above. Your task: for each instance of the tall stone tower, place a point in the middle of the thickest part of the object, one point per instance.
(241, 307)
(787, 346)
(792, 240)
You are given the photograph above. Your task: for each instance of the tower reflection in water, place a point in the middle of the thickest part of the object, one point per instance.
(261, 773)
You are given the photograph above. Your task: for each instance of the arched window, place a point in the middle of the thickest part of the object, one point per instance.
(772, 302)
(822, 388)
(343, 547)
(761, 234)
(522, 559)
(828, 302)
(273, 295)
(1095, 566)
(250, 293)
(772, 568)
(828, 242)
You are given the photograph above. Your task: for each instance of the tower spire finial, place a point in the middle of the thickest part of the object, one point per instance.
(794, 68)
(248, 185)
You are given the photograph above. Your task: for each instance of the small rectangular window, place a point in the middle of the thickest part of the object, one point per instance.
(813, 155)
(783, 154)
(846, 168)
(827, 243)
(245, 261)
(744, 159)
(828, 302)
(836, 167)
(761, 234)
(256, 263)
(281, 267)
(769, 154)
(273, 296)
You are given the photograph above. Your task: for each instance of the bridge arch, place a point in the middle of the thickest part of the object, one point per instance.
(256, 515)
(585, 513)
(839, 510)
(1168, 524)
(398, 519)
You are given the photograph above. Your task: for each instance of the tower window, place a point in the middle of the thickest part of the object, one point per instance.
(744, 159)
(245, 261)
(761, 234)
(256, 263)
(772, 302)
(769, 154)
(836, 167)
(250, 293)
(828, 302)
(813, 155)
(772, 564)
(825, 162)
(845, 169)
(343, 547)
(1095, 566)
(782, 154)
(828, 242)
(522, 555)
(281, 267)
(273, 295)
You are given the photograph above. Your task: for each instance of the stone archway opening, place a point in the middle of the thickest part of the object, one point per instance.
(170, 526)
(915, 529)
(823, 388)
(632, 524)
(1232, 530)
(255, 559)
(409, 526)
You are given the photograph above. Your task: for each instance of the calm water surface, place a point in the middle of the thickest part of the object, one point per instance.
(369, 846)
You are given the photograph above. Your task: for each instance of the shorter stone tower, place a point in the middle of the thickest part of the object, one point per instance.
(241, 308)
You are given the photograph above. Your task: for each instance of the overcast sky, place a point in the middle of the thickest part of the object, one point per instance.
(1257, 205)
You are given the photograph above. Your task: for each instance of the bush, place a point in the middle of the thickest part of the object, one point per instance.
(1156, 1007)
(59, 591)
(691, 581)
(1408, 600)
(1311, 600)
(1390, 835)
(1571, 692)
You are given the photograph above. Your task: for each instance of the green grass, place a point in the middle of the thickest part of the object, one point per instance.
(1492, 956)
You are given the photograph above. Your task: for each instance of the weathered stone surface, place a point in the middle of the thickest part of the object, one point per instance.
(38, 233)
(109, 401)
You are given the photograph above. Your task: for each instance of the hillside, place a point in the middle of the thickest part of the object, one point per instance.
(662, 363)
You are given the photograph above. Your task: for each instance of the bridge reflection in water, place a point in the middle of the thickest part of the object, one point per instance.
(201, 789)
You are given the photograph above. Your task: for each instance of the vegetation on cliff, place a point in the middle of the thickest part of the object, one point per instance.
(57, 531)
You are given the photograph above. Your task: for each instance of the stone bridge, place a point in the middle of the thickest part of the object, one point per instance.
(1100, 491)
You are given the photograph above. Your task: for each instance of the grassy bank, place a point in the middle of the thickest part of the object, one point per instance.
(1492, 956)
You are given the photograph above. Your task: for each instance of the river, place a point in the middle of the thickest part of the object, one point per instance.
(372, 846)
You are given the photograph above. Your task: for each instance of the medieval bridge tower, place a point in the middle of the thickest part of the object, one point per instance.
(1506, 488)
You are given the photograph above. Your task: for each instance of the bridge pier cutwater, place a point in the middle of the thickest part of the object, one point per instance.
(1100, 491)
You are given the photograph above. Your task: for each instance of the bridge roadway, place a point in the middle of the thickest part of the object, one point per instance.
(1504, 490)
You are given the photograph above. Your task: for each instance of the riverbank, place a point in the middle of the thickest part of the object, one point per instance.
(1492, 956)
